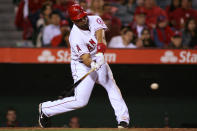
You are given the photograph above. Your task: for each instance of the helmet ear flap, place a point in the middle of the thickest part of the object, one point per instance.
(76, 12)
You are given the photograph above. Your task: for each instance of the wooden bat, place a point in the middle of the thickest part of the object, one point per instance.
(71, 88)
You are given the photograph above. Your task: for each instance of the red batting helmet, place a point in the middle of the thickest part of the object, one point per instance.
(76, 12)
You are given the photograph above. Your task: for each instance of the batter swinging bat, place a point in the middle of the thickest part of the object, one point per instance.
(66, 93)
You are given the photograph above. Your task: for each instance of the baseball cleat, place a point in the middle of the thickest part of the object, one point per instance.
(123, 124)
(43, 120)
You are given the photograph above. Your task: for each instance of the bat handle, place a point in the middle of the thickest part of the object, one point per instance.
(92, 70)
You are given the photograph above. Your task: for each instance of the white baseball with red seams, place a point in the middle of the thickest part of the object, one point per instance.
(83, 42)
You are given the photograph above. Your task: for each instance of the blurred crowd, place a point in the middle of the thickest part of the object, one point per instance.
(131, 23)
(11, 120)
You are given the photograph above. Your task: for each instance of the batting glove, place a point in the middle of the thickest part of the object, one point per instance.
(95, 65)
(100, 59)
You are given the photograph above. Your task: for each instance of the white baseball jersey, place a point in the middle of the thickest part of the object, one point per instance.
(82, 41)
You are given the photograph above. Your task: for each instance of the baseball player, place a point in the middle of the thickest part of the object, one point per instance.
(88, 44)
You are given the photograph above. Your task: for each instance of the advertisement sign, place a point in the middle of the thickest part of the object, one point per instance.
(113, 56)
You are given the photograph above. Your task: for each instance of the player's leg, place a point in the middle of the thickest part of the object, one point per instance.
(81, 95)
(79, 100)
(105, 78)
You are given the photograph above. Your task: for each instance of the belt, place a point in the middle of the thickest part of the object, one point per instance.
(78, 61)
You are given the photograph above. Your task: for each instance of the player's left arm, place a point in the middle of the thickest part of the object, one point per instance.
(102, 44)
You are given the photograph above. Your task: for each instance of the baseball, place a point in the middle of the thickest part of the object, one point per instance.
(154, 86)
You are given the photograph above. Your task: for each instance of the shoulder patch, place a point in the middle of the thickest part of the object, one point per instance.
(99, 21)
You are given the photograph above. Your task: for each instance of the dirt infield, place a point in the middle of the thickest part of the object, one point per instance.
(98, 129)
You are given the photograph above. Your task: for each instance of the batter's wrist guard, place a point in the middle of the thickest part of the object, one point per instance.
(101, 47)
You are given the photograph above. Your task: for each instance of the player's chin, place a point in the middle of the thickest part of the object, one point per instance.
(84, 26)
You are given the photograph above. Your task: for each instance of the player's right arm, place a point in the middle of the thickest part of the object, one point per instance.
(87, 60)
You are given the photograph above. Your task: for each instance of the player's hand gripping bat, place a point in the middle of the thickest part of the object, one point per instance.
(71, 88)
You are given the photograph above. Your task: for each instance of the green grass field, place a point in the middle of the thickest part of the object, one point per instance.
(97, 129)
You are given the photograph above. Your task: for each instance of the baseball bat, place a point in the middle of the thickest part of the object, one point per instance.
(67, 93)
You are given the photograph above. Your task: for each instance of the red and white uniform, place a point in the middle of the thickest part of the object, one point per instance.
(83, 42)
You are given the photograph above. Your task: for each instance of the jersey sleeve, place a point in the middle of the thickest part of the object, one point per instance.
(78, 47)
(99, 24)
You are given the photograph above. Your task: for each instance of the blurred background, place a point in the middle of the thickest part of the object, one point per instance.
(151, 50)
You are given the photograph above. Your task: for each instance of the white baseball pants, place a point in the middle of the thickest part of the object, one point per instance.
(83, 91)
